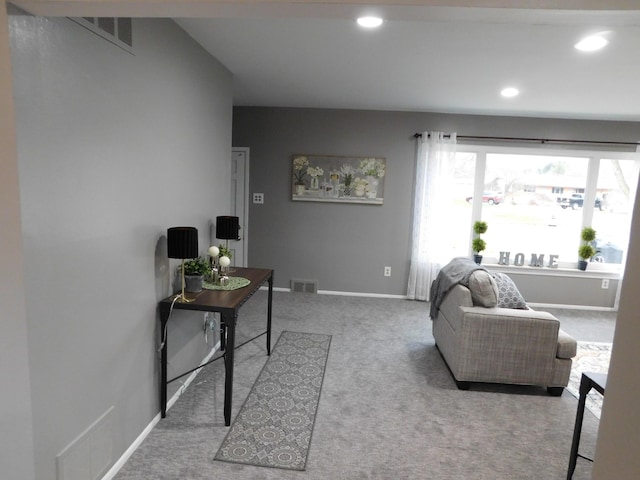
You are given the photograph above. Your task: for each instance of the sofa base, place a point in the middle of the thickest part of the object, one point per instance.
(462, 385)
(555, 391)
(466, 385)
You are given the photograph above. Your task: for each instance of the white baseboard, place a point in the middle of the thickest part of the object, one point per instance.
(404, 297)
(344, 294)
(572, 307)
(358, 294)
(113, 471)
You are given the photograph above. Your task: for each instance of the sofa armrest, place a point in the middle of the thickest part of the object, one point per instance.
(506, 345)
(458, 296)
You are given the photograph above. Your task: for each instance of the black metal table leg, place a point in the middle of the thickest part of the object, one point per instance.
(230, 325)
(585, 386)
(587, 382)
(270, 301)
(164, 318)
(223, 335)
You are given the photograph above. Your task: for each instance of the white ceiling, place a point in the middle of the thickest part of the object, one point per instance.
(430, 55)
(436, 59)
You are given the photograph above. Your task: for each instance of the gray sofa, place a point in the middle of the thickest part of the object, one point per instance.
(501, 345)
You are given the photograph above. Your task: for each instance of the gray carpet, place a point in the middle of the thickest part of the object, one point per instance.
(274, 426)
(389, 407)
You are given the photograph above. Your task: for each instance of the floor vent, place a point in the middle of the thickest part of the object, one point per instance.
(304, 286)
(89, 456)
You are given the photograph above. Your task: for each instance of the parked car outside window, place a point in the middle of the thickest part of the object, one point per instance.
(492, 198)
(606, 252)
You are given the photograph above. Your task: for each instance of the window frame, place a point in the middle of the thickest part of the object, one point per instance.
(594, 157)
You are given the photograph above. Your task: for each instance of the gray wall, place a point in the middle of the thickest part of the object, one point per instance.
(619, 432)
(583, 290)
(16, 421)
(113, 148)
(345, 247)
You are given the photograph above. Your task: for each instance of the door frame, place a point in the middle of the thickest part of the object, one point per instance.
(244, 231)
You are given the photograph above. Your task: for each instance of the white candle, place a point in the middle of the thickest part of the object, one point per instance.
(214, 251)
(225, 261)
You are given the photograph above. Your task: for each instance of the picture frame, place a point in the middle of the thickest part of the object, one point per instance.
(338, 179)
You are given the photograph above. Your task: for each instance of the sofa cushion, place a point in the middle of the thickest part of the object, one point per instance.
(508, 294)
(483, 288)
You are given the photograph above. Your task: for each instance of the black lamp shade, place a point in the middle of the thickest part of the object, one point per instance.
(227, 228)
(182, 242)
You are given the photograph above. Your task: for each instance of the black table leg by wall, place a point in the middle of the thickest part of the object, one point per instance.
(269, 305)
(588, 381)
(230, 327)
(164, 318)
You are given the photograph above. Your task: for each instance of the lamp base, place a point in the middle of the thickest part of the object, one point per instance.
(180, 298)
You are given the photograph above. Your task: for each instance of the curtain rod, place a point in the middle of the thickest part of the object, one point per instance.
(540, 140)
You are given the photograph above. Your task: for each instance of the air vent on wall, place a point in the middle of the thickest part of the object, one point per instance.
(118, 31)
(304, 286)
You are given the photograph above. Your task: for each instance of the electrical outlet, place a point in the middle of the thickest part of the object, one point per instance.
(605, 283)
(258, 198)
(387, 271)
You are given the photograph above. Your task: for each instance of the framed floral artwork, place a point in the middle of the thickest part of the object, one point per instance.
(331, 178)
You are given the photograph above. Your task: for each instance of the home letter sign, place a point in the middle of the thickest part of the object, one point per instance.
(537, 260)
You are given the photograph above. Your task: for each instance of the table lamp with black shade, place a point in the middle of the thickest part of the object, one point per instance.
(182, 243)
(227, 228)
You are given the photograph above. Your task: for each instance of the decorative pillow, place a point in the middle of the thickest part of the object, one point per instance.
(508, 294)
(483, 288)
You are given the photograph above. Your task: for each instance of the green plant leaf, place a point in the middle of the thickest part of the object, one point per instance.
(585, 252)
(480, 227)
(478, 245)
(196, 266)
(588, 234)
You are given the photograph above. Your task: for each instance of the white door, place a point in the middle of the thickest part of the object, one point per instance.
(239, 203)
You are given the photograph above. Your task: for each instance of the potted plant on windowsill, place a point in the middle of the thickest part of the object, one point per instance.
(478, 244)
(586, 251)
(194, 272)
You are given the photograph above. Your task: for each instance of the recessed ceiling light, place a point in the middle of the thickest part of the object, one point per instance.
(369, 22)
(509, 92)
(592, 43)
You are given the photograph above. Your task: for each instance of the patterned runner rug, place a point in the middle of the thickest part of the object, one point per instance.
(591, 357)
(274, 426)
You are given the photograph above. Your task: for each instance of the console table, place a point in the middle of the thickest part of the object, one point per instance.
(227, 303)
(588, 381)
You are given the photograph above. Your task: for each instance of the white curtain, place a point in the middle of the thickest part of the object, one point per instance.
(431, 247)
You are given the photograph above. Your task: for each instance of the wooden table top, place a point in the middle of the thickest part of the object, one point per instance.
(224, 300)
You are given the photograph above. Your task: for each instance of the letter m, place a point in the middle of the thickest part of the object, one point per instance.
(536, 260)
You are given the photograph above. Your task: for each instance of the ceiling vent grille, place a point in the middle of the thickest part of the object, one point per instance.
(304, 286)
(118, 31)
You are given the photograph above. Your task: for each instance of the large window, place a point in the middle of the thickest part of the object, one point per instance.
(617, 183)
(536, 202)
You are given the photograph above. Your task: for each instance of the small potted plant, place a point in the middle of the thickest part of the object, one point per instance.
(586, 250)
(478, 244)
(225, 251)
(194, 272)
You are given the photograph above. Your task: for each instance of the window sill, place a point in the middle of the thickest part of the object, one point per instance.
(593, 271)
